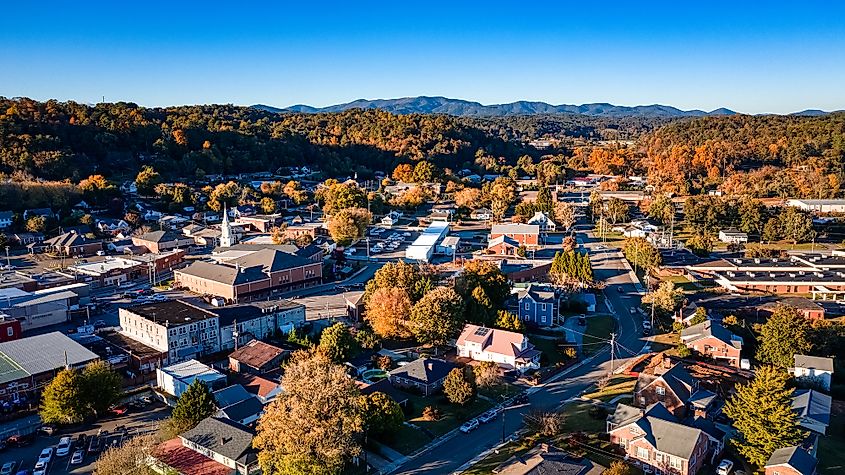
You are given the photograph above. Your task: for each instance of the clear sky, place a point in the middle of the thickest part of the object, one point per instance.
(752, 57)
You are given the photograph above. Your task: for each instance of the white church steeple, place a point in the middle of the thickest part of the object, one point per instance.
(227, 239)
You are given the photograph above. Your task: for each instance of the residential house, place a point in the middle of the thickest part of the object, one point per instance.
(481, 214)
(813, 368)
(537, 305)
(6, 219)
(46, 212)
(73, 244)
(264, 389)
(733, 236)
(27, 239)
(256, 275)
(544, 459)
(543, 220)
(391, 219)
(257, 357)
(710, 339)
(245, 412)
(510, 349)
(112, 226)
(672, 388)
(425, 375)
(175, 379)
(813, 409)
(230, 395)
(656, 439)
(216, 446)
(160, 241)
(524, 234)
(791, 461)
(503, 246)
(259, 319)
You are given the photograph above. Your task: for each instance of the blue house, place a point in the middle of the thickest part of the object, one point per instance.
(538, 305)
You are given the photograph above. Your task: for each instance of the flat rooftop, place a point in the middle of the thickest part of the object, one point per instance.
(171, 312)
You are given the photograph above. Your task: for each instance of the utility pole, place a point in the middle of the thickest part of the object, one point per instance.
(612, 352)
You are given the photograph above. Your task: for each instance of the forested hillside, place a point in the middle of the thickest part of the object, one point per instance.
(763, 155)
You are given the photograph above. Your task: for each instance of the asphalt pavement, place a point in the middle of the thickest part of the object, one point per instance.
(462, 448)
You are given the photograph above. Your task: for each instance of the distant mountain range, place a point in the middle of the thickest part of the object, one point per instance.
(459, 107)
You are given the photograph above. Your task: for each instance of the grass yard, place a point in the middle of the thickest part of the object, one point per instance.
(682, 283)
(619, 385)
(664, 341)
(599, 328)
(488, 464)
(407, 440)
(453, 416)
(578, 419)
(832, 448)
(549, 346)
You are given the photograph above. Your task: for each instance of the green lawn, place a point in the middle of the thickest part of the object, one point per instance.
(832, 447)
(550, 349)
(453, 416)
(407, 440)
(618, 386)
(599, 328)
(578, 419)
(488, 464)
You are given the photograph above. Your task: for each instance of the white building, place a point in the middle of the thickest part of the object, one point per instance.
(391, 219)
(814, 368)
(423, 247)
(449, 245)
(733, 236)
(510, 349)
(819, 206)
(542, 219)
(175, 379)
(227, 237)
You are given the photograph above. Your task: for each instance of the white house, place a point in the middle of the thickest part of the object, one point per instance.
(542, 219)
(175, 379)
(506, 348)
(391, 219)
(481, 214)
(816, 368)
(733, 236)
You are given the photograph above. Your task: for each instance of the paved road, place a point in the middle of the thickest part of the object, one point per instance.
(607, 265)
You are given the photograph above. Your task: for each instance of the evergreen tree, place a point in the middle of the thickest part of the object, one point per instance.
(762, 414)
(338, 343)
(382, 415)
(458, 388)
(194, 405)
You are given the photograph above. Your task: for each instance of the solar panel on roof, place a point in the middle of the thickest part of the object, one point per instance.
(482, 331)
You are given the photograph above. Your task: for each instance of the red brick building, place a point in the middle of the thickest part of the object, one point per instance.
(523, 234)
(791, 461)
(655, 438)
(712, 340)
(672, 387)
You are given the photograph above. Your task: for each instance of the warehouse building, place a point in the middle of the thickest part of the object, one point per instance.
(423, 247)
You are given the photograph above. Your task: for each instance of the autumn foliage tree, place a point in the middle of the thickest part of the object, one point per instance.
(349, 224)
(389, 311)
(438, 316)
(314, 425)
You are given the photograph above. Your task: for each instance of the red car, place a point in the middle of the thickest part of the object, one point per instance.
(119, 410)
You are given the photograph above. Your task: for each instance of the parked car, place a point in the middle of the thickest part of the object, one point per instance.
(46, 455)
(582, 320)
(488, 416)
(8, 468)
(77, 457)
(20, 440)
(40, 468)
(48, 429)
(99, 324)
(725, 467)
(118, 410)
(469, 426)
(64, 446)
(146, 399)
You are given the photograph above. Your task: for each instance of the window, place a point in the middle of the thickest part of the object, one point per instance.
(660, 390)
(10, 331)
(543, 307)
(543, 318)
(527, 306)
(675, 462)
(623, 443)
(642, 453)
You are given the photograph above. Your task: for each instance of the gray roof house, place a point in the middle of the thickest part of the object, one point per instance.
(424, 374)
(537, 305)
(814, 369)
(813, 409)
(796, 458)
(228, 443)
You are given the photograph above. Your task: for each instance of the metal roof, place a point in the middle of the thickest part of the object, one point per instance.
(40, 354)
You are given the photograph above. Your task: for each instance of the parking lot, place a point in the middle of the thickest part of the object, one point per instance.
(113, 432)
(384, 243)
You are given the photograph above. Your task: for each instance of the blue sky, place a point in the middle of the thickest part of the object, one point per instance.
(770, 57)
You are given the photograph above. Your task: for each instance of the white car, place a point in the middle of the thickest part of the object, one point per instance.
(469, 426)
(64, 447)
(725, 467)
(77, 457)
(46, 455)
(40, 468)
(488, 416)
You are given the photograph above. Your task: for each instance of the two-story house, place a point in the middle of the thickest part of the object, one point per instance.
(537, 305)
(506, 348)
(712, 340)
(216, 446)
(544, 221)
(813, 368)
(672, 388)
(655, 438)
(813, 409)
